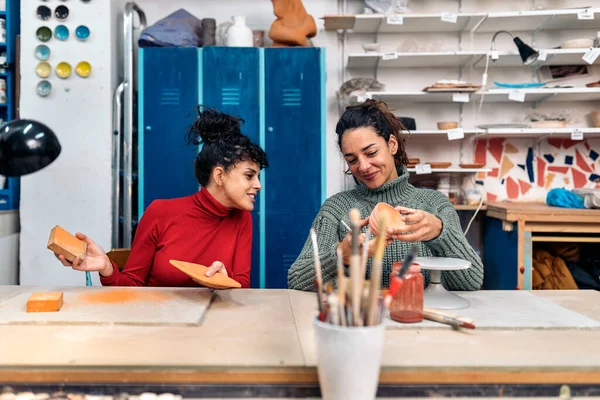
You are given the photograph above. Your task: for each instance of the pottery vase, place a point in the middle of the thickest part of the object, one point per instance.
(239, 35)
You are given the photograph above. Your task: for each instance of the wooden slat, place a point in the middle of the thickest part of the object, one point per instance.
(562, 227)
(465, 207)
(540, 212)
(293, 376)
(574, 239)
(521, 255)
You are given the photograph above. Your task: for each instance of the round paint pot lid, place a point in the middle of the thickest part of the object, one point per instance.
(63, 70)
(43, 33)
(83, 69)
(61, 32)
(82, 32)
(42, 52)
(43, 69)
(44, 13)
(43, 88)
(61, 12)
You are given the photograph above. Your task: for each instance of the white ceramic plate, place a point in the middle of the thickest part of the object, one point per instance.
(442, 263)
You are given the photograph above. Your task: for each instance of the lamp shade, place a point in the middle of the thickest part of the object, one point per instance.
(26, 146)
(528, 55)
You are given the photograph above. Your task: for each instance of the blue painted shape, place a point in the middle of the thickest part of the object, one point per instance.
(593, 155)
(293, 122)
(231, 84)
(529, 163)
(500, 256)
(594, 178)
(528, 267)
(522, 166)
(169, 99)
(569, 160)
(502, 182)
(479, 183)
(549, 158)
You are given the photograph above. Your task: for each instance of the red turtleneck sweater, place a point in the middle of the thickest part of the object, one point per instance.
(195, 229)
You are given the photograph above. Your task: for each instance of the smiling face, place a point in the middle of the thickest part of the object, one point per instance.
(239, 185)
(369, 157)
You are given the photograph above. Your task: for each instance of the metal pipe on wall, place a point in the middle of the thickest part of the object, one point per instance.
(129, 79)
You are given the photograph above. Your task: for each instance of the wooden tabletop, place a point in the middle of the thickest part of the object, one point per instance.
(517, 211)
(266, 336)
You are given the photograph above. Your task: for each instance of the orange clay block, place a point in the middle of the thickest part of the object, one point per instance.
(45, 302)
(66, 244)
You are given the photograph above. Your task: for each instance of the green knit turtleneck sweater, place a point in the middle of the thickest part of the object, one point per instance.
(330, 231)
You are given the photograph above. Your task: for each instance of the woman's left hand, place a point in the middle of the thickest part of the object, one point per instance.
(420, 226)
(216, 267)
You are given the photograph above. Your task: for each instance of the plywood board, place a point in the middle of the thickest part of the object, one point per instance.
(112, 305)
(511, 310)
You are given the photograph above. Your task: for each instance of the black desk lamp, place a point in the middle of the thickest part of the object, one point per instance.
(528, 54)
(26, 146)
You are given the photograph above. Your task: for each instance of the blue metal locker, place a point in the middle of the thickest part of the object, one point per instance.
(230, 83)
(294, 141)
(168, 95)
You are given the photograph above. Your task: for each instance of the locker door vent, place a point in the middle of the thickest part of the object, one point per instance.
(292, 98)
(230, 96)
(170, 97)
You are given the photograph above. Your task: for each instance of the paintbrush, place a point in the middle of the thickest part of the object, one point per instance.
(408, 261)
(365, 256)
(318, 274)
(376, 267)
(346, 225)
(355, 277)
(341, 286)
(454, 321)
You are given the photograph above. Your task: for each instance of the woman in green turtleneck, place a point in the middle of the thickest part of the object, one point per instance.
(369, 136)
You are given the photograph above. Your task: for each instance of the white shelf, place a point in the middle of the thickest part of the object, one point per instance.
(535, 132)
(371, 23)
(553, 57)
(410, 60)
(514, 21)
(454, 170)
(493, 95)
(463, 58)
(437, 132)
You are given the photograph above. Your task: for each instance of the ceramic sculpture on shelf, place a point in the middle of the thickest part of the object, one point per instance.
(293, 25)
(350, 90)
(238, 34)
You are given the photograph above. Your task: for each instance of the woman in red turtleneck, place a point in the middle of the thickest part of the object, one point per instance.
(211, 227)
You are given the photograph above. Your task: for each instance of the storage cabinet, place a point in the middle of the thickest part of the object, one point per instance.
(280, 95)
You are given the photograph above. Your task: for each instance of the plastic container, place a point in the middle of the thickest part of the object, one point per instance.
(407, 304)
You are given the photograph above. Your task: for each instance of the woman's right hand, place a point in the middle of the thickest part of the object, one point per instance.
(346, 244)
(95, 258)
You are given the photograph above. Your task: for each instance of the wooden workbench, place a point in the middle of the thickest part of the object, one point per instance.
(256, 337)
(531, 221)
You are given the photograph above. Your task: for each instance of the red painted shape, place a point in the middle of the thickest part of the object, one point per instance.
(541, 172)
(568, 143)
(579, 178)
(561, 170)
(493, 173)
(525, 186)
(480, 152)
(491, 197)
(495, 147)
(512, 189)
(522, 270)
(555, 142)
(581, 162)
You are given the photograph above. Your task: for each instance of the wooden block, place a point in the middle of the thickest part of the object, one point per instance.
(66, 244)
(45, 302)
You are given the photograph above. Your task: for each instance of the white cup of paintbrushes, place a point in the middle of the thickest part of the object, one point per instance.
(349, 360)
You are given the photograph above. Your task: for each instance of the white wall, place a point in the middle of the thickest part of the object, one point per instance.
(75, 190)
